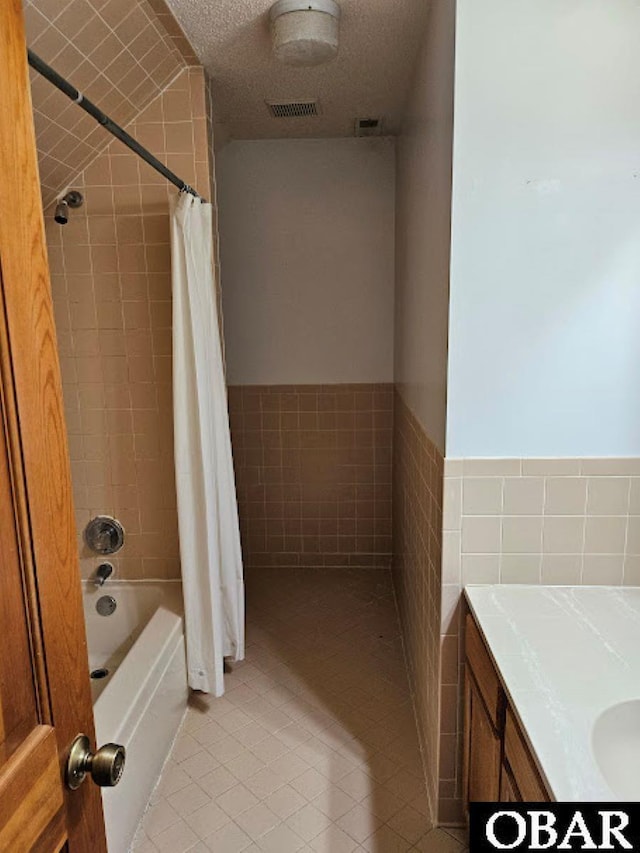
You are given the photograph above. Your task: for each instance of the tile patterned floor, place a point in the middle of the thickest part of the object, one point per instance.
(313, 747)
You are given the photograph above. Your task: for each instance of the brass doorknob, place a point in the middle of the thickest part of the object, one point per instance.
(106, 765)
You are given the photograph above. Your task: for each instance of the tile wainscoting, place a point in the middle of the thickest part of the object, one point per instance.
(417, 520)
(557, 521)
(313, 473)
(534, 521)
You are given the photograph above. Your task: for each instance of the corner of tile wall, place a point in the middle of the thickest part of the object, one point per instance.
(173, 30)
(417, 530)
(121, 54)
(533, 521)
(313, 474)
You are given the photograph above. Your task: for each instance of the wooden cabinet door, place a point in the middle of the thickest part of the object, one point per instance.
(482, 749)
(508, 790)
(45, 698)
(519, 759)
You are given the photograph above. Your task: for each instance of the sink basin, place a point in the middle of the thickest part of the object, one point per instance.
(616, 747)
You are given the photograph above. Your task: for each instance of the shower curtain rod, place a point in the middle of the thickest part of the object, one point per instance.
(77, 97)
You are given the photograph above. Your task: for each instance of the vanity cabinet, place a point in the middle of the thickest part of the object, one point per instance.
(482, 764)
(519, 766)
(498, 765)
(508, 790)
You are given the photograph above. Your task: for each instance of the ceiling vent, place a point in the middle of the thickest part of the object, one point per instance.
(368, 126)
(293, 109)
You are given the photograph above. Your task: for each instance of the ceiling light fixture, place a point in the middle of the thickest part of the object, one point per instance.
(305, 32)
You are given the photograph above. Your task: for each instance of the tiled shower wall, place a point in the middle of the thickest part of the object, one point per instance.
(417, 517)
(549, 521)
(110, 274)
(119, 53)
(313, 473)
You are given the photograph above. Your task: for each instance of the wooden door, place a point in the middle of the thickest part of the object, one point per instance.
(45, 696)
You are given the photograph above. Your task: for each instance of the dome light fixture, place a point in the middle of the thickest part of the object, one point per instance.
(305, 32)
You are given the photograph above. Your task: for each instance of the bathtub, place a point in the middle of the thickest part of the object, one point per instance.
(142, 700)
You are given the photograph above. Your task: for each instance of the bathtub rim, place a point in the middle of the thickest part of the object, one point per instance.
(120, 706)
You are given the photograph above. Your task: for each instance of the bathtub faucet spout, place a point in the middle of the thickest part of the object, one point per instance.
(103, 571)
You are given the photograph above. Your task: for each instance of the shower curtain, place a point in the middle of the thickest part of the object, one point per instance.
(212, 576)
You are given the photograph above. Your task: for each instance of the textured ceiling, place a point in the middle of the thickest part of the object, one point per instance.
(119, 53)
(379, 41)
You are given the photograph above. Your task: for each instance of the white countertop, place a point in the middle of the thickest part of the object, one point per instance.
(564, 654)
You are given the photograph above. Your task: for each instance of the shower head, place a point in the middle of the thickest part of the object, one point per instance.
(71, 199)
(62, 212)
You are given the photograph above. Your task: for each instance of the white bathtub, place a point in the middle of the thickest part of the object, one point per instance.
(142, 701)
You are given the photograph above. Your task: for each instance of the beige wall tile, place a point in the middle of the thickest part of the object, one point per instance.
(633, 535)
(491, 467)
(521, 534)
(451, 557)
(634, 496)
(561, 569)
(121, 70)
(520, 568)
(608, 495)
(118, 349)
(611, 467)
(481, 534)
(631, 571)
(480, 568)
(563, 534)
(548, 534)
(450, 611)
(523, 496)
(482, 496)
(550, 467)
(453, 467)
(418, 538)
(315, 461)
(449, 712)
(605, 535)
(565, 496)
(602, 569)
(102, 230)
(450, 650)
(452, 503)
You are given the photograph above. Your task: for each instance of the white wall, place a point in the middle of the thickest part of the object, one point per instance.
(545, 279)
(423, 210)
(307, 254)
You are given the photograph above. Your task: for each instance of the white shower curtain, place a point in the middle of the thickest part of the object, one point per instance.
(212, 576)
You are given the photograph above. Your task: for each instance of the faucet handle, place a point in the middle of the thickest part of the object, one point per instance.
(103, 571)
